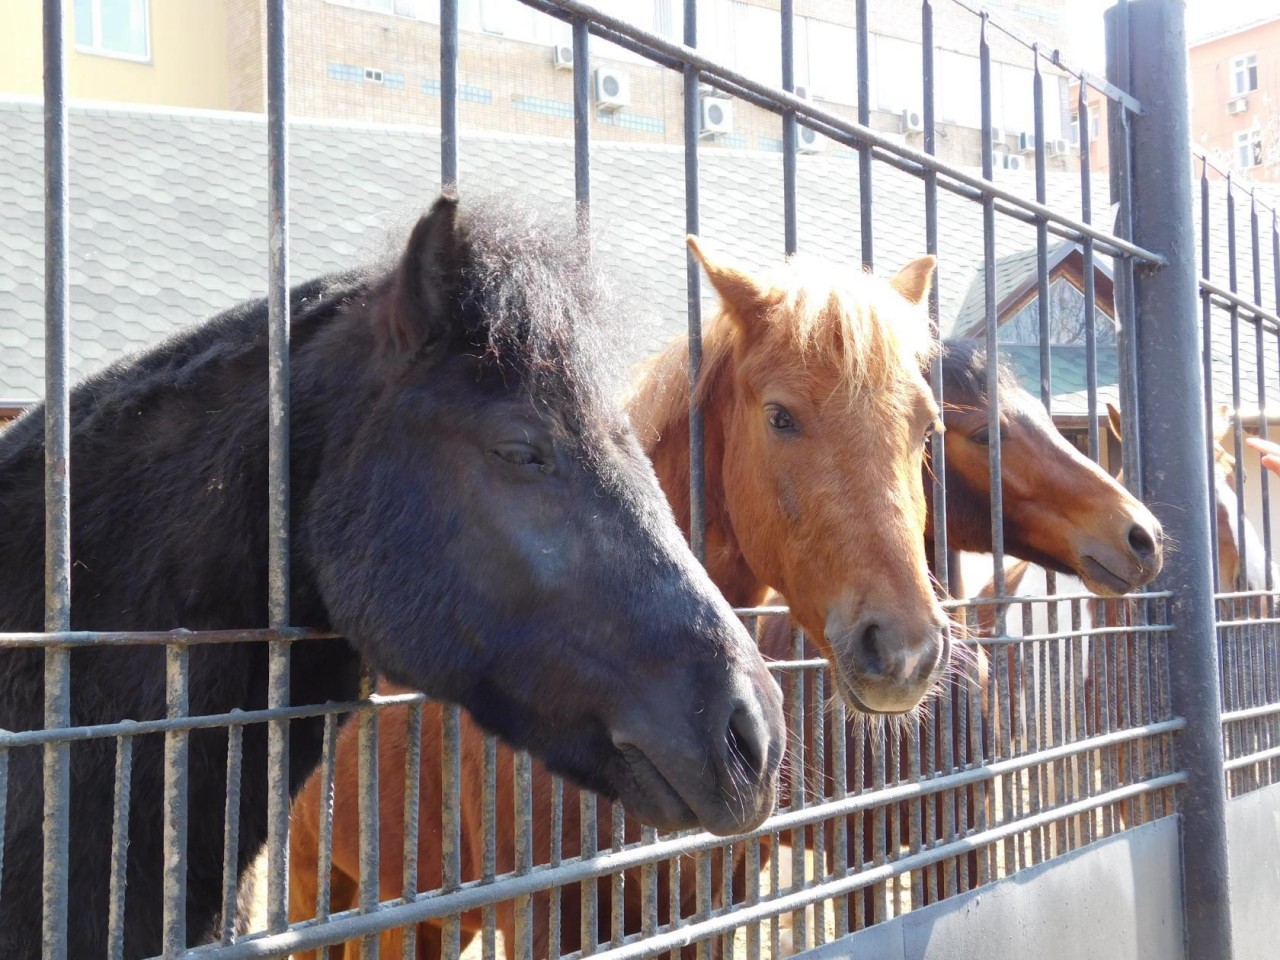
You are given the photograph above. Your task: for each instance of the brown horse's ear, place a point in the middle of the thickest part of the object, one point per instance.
(914, 280)
(420, 304)
(741, 293)
(1113, 421)
(1222, 423)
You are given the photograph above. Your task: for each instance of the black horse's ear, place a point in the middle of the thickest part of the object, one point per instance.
(421, 303)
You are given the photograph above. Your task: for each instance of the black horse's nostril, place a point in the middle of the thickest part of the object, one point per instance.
(746, 738)
(869, 656)
(1141, 542)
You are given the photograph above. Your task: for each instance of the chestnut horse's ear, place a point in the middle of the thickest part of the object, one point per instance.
(420, 306)
(741, 292)
(1113, 421)
(1222, 423)
(914, 280)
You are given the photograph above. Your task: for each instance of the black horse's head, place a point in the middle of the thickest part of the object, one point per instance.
(486, 528)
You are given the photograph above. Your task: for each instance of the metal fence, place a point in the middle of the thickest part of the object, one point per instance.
(1069, 735)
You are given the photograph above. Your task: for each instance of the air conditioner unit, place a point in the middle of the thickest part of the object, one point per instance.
(912, 121)
(562, 56)
(1011, 161)
(613, 89)
(809, 141)
(1237, 105)
(997, 137)
(717, 117)
(1026, 143)
(372, 76)
(1059, 147)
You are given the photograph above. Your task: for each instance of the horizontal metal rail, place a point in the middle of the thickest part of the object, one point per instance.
(1250, 713)
(717, 75)
(472, 896)
(1227, 300)
(159, 638)
(1252, 759)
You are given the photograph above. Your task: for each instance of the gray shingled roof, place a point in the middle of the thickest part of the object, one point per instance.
(169, 217)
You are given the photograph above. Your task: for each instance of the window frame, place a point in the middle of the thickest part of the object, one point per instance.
(97, 50)
(1244, 68)
(1245, 140)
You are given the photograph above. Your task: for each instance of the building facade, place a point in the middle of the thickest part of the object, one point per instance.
(1235, 98)
(376, 61)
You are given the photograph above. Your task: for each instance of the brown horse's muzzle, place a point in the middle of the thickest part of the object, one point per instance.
(1114, 565)
(883, 665)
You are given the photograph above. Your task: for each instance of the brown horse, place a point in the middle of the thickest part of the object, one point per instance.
(813, 399)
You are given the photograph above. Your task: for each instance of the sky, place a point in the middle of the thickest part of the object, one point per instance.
(1085, 44)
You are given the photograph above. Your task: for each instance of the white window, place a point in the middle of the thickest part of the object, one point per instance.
(898, 78)
(829, 68)
(1248, 152)
(956, 89)
(1095, 125)
(114, 28)
(414, 9)
(1244, 74)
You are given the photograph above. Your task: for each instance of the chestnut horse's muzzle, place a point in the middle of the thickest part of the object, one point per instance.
(882, 665)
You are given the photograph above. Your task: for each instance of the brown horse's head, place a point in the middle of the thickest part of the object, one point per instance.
(1060, 509)
(824, 415)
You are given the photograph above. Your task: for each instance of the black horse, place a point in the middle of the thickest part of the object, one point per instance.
(467, 508)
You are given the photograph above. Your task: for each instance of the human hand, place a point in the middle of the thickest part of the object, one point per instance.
(1270, 452)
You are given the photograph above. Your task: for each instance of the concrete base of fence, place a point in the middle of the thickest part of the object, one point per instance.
(1118, 898)
(1253, 839)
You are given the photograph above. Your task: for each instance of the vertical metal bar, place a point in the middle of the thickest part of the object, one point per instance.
(1206, 360)
(1260, 361)
(697, 473)
(992, 331)
(789, 228)
(582, 118)
(369, 806)
(278, 465)
(174, 829)
(864, 149)
(524, 854)
(231, 832)
(589, 917)
(412, 805)
(1042, 239)
(617, 919)
(451, 824)
(1175, 458)
(1234, 313)
(57, 485)
(489, 829)
(799, 763)
(557, 852)
(324, 856)
(937, 445)
(448, 93)
(1086, 248)
(120, 850)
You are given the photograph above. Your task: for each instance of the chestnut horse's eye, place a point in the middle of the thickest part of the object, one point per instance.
(780, 418)
(981, 436)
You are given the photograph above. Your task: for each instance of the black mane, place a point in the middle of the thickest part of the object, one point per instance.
(964, 370)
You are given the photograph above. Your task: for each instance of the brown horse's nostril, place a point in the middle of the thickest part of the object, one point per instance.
(1142, 543)
(746, 741)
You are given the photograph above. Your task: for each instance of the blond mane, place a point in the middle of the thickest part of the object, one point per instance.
(876, 338)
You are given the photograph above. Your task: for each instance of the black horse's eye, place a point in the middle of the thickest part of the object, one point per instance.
(779, 418)
(519, 454)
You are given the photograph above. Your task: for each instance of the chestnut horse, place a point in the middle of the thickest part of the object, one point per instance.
(813, 399)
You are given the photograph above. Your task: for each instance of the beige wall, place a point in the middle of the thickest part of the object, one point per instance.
(188, 66)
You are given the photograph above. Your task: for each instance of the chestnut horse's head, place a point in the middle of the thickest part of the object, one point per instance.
(825, 414)
(1060, 509)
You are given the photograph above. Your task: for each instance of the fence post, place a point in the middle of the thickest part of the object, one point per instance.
(1173, 452)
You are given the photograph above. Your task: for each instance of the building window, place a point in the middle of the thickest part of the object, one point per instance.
(1066, 320)
(1095, 126)
(1244, 74)
(1248, 151)
(113, 28)
(1075, 129)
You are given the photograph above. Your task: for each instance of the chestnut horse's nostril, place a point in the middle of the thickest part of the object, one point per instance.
(867, 654)
(1142, 543)
(746, 739)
